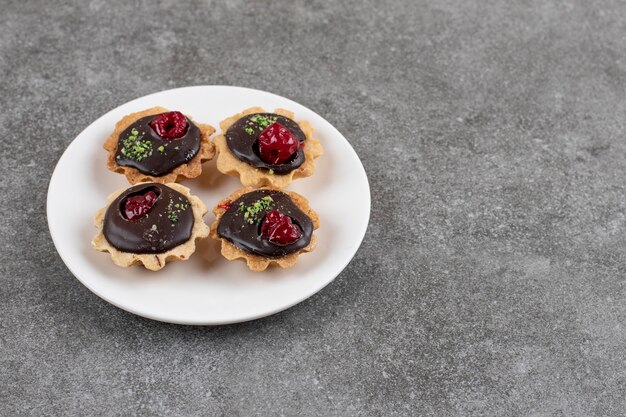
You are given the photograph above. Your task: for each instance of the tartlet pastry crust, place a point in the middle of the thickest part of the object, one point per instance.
(258, 263)
(154, 261)
(191, 169)
(250, 176)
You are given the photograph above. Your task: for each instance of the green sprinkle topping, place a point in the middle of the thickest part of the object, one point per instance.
(263, 121)
(133, 147)
(249, 130)
(251, 212)
(174, 210)
(161, 148)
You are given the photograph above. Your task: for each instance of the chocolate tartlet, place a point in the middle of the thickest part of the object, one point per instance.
(150, 224)
(159, 146)
(264, 148)
(265, 227)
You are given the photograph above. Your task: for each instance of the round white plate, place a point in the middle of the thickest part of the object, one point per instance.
(207, 289)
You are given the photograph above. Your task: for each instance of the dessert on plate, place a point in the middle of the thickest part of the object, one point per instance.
(266, 149)
(150, 224)
(158, 145)
(265, 227)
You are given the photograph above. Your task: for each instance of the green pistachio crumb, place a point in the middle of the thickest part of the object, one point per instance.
(263, 121)
(252, 213)
(134, 147)
(174, 209)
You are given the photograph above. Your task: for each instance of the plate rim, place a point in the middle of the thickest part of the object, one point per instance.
(203, 322)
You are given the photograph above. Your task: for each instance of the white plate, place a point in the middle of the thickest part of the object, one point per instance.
(207, 289)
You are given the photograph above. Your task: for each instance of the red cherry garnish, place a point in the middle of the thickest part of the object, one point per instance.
(277, 144)
(136, 206)
(278, 228)
(170, 125)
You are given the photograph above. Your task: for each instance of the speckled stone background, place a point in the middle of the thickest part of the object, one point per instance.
(492, 279)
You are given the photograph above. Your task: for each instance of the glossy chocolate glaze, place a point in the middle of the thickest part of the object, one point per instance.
(160, 162)
(236, 229)
(244, 145)
(155, 232)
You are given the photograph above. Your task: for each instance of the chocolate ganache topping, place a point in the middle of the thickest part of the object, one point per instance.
(242, 139)
(140, 147)
(167, 221)
(241, 223)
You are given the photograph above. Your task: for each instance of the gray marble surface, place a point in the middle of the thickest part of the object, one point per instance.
(492, 279)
